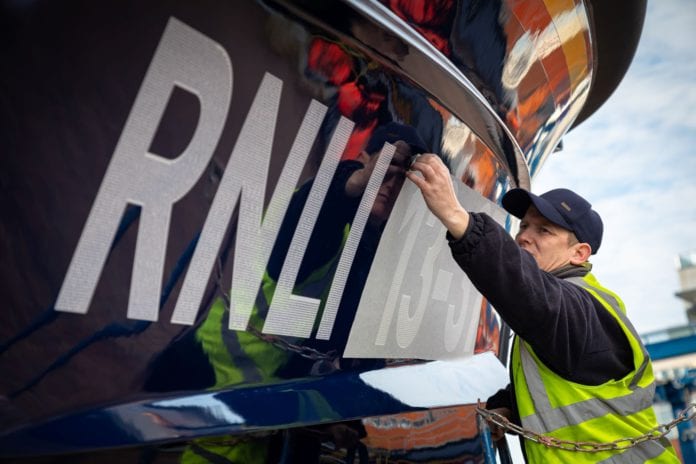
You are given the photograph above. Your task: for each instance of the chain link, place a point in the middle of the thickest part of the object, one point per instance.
(304, 351)
(588, 446)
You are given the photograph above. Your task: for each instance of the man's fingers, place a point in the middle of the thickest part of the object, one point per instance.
(416, 179)
(432, 173)
(430, 165)
(423, 158)
(423, 165)
(413, 159)
(496, 432)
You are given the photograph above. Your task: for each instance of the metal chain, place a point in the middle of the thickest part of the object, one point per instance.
(279, 342)
(588, 446)
(304, 351)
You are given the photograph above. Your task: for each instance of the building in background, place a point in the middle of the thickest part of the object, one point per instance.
(673, 352)
(686, 266)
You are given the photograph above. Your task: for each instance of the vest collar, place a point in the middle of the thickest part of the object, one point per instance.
(571, 270)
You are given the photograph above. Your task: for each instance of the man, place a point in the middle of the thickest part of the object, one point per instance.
(578, 369)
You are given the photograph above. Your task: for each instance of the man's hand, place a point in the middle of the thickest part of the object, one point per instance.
(497, 431)
(435, 183)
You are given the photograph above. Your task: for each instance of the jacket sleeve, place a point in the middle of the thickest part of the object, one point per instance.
(501, 399)
(559, 320)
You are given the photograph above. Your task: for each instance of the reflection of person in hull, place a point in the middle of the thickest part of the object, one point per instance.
(579, 371)
(229, 352)
(334, 223)
(211, 356)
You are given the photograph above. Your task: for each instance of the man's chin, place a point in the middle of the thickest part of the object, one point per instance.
(379, 214)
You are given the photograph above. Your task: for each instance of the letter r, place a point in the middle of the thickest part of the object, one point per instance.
(190, 60)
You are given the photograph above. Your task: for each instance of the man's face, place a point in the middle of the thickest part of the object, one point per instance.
(548, 243)
(392, 183)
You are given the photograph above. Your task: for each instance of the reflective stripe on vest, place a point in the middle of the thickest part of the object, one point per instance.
(639, 453)
(547, 419)
(562, 409)
(620, 312)
(241, 356)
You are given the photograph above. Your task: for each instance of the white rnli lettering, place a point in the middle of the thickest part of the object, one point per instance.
(153, 182)
(190, 60)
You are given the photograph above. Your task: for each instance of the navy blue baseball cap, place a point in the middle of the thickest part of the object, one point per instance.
(393, 132)
(563, 207)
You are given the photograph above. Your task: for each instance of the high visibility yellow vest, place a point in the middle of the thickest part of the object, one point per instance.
(240, 356)
(553, 406)
(205, 451)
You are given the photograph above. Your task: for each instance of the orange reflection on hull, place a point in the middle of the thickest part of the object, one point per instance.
(423, 429)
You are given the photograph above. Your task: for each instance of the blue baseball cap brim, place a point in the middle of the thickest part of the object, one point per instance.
(562, 207)
(517, 202)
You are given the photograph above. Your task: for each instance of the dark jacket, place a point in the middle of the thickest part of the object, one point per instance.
(566, 326)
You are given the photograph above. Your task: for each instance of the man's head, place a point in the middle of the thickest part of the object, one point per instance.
(407, 143)
(558, 227)
(393, 132)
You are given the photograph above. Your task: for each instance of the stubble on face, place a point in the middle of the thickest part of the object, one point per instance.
(550, 245)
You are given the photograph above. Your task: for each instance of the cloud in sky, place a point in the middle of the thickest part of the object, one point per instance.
(634, 160)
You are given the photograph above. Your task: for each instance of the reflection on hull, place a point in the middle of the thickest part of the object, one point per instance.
(211, 233)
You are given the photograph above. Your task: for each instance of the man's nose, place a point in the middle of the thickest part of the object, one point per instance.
(522, 237)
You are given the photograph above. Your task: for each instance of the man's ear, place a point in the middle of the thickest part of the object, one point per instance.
(580, 253)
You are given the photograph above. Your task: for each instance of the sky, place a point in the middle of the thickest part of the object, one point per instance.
(635, 161)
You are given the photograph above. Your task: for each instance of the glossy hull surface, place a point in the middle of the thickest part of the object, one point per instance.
(207, 229)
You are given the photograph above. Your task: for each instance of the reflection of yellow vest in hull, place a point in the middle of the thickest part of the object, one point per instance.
(237, 357)
(205, 452)
(556, 407)
(241, 357)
